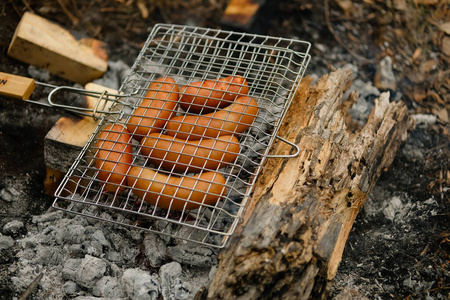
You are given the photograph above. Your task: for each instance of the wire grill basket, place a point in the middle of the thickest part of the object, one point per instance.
(272, 68)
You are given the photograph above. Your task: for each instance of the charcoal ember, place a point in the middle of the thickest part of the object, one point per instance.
(93, 248)
(188, 254)
(48, 217)
(173, 287)
(85, 272)
(109, 287)
(49, 255)
(70, 287)
(6, 249)
(14, 228)
(115, 257)
(6, 242)
(73, 234)
(9, 194)
(155, 249)
(140, 285)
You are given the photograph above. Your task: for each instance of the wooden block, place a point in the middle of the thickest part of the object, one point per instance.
(95, 102)
(68, 136)
(64, 141)
(16, 86)
(44, 44)
(248, 15)
(52, 180)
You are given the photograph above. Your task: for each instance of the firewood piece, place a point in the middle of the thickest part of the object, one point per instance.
(68, 136)
(302, 209)
(248, 15)
(44, 44)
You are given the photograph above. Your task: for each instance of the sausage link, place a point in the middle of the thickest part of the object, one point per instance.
(113, 157)
(235, 118)
(175, 193)
(156, 108)
(206, 96)
(192, 156)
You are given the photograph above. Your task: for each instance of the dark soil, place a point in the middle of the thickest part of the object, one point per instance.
(399, 247)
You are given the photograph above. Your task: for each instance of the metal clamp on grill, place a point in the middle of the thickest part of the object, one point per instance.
(181, 150)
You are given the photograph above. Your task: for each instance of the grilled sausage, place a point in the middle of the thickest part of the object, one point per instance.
(113, 157)
(193, 156)
(235, 118)
(206, 96)
(156, 108)
(173, 192)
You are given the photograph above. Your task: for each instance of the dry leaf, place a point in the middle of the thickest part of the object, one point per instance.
(436, 97)
(426, 2)
(417, 54)
(442, 114)
(419, 94)
(142, 8)
(345, 5)
(400, 4)
(445, 46)
(445, 27)
(428, 66)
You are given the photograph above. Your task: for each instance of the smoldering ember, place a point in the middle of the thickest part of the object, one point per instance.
(351, 201)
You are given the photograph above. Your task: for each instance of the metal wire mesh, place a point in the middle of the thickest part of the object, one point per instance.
(175, 170)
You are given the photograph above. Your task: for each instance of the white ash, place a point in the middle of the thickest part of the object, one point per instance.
(8, 194)
(364, 105)
(424, 120)
(155, 248)
(13, 228)
(140, 285)
(85, 258)
(6, 242)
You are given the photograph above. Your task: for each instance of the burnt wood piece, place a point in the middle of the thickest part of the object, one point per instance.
(68, 136)
(248, 15)
(65, 140)
(302, 209)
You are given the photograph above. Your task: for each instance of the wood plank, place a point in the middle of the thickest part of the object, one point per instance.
(47, 45)
(303, 208)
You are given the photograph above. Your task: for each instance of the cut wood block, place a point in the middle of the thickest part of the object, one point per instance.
(68, 136)
(52, 180)
(248, 15)
(96, 103)
(47, 45)
(64, 141)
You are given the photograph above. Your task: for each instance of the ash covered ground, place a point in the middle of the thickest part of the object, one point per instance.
(400, 243)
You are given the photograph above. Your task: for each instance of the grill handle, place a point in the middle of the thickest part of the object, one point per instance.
(295, 154)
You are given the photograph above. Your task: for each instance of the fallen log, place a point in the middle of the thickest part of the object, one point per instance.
(302, 209)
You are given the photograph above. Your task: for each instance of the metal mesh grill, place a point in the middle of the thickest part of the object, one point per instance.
(164, 202)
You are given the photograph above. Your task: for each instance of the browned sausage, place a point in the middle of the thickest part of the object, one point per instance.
(235, 118)
(173, 192)
(156, 108)
(193, 156)
(114, 156)
(206, 96)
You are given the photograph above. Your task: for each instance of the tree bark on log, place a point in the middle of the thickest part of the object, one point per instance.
(301, 211)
